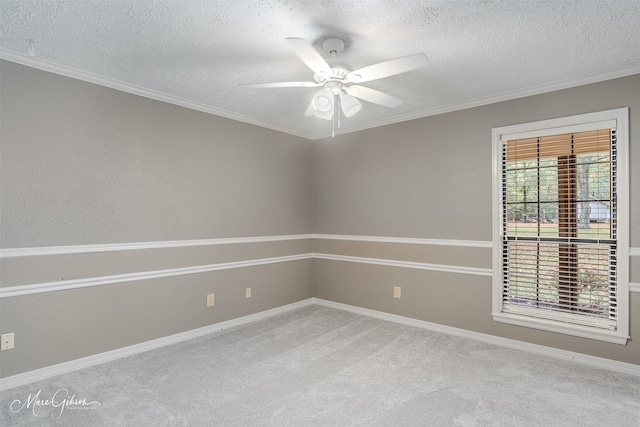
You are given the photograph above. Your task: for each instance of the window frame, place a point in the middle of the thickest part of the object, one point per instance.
(618, 118)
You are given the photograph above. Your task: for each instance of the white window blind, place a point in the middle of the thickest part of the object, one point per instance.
(561, 225)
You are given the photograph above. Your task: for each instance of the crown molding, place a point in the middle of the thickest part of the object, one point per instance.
(505, 96)
(74, 73)
(41, 64)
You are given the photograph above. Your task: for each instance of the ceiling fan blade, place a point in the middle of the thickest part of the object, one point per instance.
(388, 68)
(310, 56)
(372, 95)
(282, 84)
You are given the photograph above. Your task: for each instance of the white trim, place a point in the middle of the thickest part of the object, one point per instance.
(67, 71)
(494, 99)
(634, 286)
(112, 247)
(598, 362)
(623, 183)
(610, 118)
(407, 264)
(621, 118)
(406, 240)
(14, 291)
(109, 247)
(562, 327)
(538, 132)
(97, 79)
(496, 215)
(96, 359)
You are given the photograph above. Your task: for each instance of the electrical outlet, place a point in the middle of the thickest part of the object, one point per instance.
(397, 292)
(211, 300)
(247, 293)
(7, 341)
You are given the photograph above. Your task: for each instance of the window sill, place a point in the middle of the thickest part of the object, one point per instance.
(614, 337)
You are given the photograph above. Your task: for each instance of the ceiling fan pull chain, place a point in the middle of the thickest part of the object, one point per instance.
(333, 119)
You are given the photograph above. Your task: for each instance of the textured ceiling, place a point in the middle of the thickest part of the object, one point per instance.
(197, 53)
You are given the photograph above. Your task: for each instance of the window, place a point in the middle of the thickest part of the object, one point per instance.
(561, 245)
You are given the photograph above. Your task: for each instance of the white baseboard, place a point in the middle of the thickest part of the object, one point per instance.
(85, 362)
(598, 362)
(96, 359)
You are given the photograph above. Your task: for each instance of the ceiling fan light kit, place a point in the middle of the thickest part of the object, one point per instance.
(338, 82)
(349, 104)
(323, 104)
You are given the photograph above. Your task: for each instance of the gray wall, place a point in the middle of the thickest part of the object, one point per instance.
(431, 178)
(83, 164)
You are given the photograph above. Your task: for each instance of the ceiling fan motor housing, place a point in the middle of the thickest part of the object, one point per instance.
(333, 81)
(333, 45)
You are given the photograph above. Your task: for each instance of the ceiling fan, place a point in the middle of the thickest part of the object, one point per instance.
(340, 85)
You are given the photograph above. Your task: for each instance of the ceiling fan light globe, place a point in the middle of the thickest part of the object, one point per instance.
(323, 101)
(349, 104)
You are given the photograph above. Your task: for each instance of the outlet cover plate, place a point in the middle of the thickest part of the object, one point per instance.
(7, 341)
